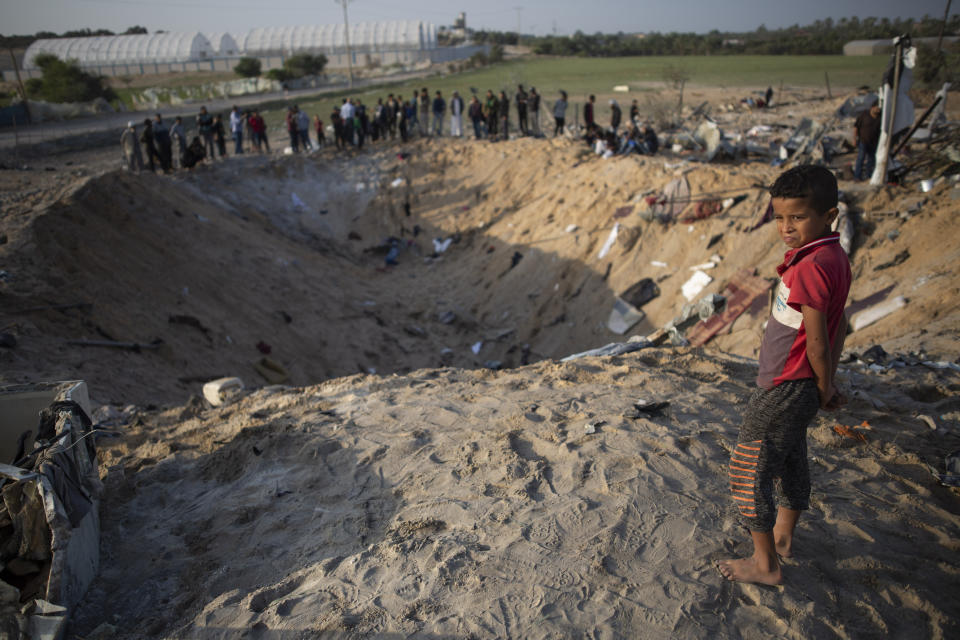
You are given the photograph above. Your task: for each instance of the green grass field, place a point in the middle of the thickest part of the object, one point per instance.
(582, 76)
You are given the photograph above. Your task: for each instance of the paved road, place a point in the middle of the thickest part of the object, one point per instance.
(10, 137)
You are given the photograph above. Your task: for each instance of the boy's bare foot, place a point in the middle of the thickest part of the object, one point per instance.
(784, 547)
(749, 570)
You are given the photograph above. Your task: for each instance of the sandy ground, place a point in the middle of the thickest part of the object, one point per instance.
(399, 488)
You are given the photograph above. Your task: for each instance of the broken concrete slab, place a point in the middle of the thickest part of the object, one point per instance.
(219, 391)
(623, 316)
(695, 284)
(865, 318)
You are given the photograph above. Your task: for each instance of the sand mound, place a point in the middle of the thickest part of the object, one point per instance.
(287, 254)
(451, 503)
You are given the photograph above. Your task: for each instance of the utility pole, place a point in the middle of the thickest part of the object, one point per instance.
(346, 37)
(23, 90)
(519, 10)
(880, 173)
(943, 25)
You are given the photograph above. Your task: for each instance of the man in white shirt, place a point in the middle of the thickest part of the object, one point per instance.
(346, 114)
(236, 128)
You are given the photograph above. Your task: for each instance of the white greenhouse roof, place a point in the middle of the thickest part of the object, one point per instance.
(148, 48)
(329, 38)
(224, 44)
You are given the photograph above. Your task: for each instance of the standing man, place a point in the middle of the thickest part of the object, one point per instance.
(456, 115)
(303, 128)
(179, 139)
(347, 111)
(236, 129)
(521, 99)
(337, 123)
(131, 148)
(504, 106)
(491, 109)
(439, 106)
(219, 136)
(476, 116)
(412, 121)
(161, 136)
(424, 119)
(588, 112)
(291, 122)
(205, 129)
(533, 109)
(361, 122)
(866, 135)
(560, 113)
(149, 145)
(615, 115)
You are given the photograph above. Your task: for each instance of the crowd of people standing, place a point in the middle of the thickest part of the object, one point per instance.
(353, 124)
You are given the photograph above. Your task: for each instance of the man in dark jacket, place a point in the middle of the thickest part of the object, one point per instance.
(476, 117)
(866, 135)
(439, 107)
(149, 144)
(491, 110)
(205, 129)
(161, 136)
(521, 99)
(588, 115)
(533, 111)
(615, 115)
(504, 115)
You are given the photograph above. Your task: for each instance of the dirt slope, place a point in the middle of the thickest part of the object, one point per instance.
(277, 252)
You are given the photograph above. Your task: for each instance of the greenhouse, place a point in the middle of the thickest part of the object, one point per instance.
(224, 45)
(152, 48)
(365, 37)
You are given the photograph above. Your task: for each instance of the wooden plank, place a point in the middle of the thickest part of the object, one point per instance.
(744, 287)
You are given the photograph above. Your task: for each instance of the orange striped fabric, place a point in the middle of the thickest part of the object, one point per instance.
(743, 463)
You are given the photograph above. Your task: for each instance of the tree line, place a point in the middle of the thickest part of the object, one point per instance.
(22, 42)
(823, 37)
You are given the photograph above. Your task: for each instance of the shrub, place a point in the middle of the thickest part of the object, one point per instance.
(479, 59)
(66, 82)
(496, 53)
(247, 68)
(280, 75)
(305, 64)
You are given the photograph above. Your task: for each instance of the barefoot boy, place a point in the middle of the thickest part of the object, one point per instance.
(798, 359)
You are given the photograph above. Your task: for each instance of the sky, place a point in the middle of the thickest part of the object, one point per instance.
(540, 17)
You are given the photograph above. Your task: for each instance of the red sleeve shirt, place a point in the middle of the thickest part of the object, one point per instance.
(817, 275)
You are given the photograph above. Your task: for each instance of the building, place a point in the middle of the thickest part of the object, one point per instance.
(149, 48)
(403, 42)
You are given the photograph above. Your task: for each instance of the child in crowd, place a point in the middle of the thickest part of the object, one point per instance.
(798, 360)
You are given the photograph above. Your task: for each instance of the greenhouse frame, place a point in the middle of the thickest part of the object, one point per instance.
(401, 42)
(151, 48)
(365, 37)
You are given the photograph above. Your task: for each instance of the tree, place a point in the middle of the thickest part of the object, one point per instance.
(135, 30)
(305, 64)
(248, 68)
(66, 82)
